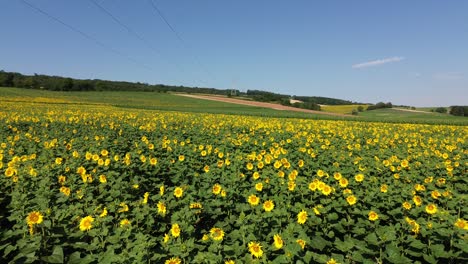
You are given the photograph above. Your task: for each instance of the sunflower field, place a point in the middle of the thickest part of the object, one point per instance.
(97, 184)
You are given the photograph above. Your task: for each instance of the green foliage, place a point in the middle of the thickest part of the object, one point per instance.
(457, 110)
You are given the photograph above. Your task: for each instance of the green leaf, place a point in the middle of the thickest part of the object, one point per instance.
(372, 239)
(429, 259)
(56, 257)
(319, 243)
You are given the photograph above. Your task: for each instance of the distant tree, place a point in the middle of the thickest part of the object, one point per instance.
(360, 108)
(442, 110)
(458, 110)
(413, 108)
(355, 112)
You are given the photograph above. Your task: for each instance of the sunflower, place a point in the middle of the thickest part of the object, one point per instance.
(124, 208)
(337, 176)
(291, 185)
(373, 216)
(326, 190)
(406, 205)
(461, 223)
(320, 173)
(301, 243)
(102, 178)
(125, 223)
(268, 205)
(217, 233)
(217, 189)
(34, 218)
(175, 230)
(259, 186)
(351, 199)
(278, 241)
(86, 223)
(145, 198)
(302, 217)
(343, 182)
(104, 212)
(229, 262)
(173, 261)
(312, 186)
(417, 200)
(332, 261)
(253, 200)
(178, 192)
(65, 190)
(153, 161)
(359, 177)
(255, 249)
(435, 194)
(161, 190)
(166, 238)
(250, 166)
(384, 188)
(161, 208)
(431, 208)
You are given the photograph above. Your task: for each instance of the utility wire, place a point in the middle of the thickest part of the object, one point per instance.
(136, 35)
(184, 43)
(90, 38)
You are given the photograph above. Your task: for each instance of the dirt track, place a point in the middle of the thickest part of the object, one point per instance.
(259, 104)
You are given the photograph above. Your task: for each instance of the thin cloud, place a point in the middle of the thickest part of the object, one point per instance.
(377, 62)
(448, 76)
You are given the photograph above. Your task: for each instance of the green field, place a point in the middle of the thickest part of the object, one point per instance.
(171, 102)
(341, 109)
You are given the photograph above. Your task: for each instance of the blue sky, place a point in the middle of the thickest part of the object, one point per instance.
(407, 52)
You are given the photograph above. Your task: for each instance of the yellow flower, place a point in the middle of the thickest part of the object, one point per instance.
(166, 238)
(268, 205)
(417, 200)
(320, 173)
(435, 194)
(253, 200)
(351, 199)
(278, 241)
(217, 189)
(413, 224)
(65, 190)
(217, 233)
(205, 237)
(161, 208)
(259, 186)
(102, 178)
(332, 261)
(337, 176)
(406, 205)
(326, 190)
(124, 208)
(125, 223)
(34, 218)
(359, 177)
(86, 223)
(343, 182)
(195, 206)
(161, 190)
(302, 217)
(145, 198)
(462, 224)
(175, 230)
(301, 243)
(250, 166)
(229, 262)
(255, 249)
(373, 216)
(173, 261)
(58, 161)
(404, 163)
(316, 209)
(384, 188)
(62, 179)
(104, 212)
(431, 208)
(291, 185)
(178, 192)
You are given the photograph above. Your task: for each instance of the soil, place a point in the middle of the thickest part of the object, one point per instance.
(260, 104)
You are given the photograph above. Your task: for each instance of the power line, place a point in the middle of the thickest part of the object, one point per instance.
(184, 43)
(134, 33)
(76, 30)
